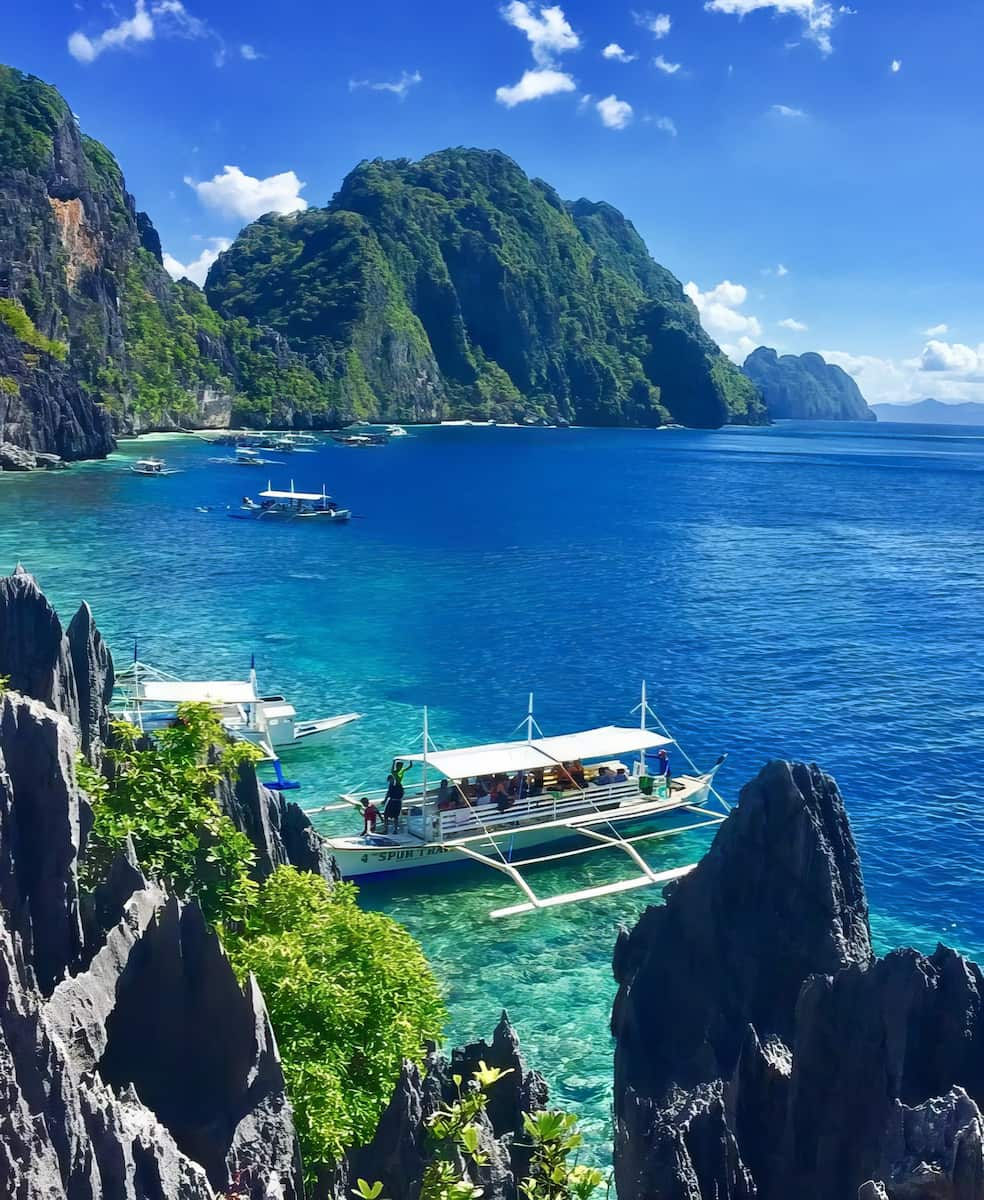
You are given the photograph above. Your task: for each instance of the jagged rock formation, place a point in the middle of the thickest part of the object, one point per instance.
(458, 284)
(763, 1052)
(136, 1070)
(805, 388)
(400, 1152)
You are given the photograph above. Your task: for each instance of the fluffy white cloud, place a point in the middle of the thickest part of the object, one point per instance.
(896, 65)
(668, 68)
(399, 87)
(658, 24)
(547, 29)
(161, 18)
(736, 332)
(235, 194)
(936, 330)
(818, 16)
(793, 325)
(784, 110)
(198, 268)
(534, 85)
(952, 357)
(614, 51)
(614, 113)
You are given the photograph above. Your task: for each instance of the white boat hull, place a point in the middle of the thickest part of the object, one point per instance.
(314, 733)
(378, 854)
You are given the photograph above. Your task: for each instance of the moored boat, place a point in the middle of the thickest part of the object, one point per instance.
(152, 467)
(275, 505)
(500, 803)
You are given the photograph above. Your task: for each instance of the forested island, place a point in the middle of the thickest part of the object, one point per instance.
(805, 387)
(451, 287)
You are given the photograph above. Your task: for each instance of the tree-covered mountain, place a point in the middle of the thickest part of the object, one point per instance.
(457, 285)
(94, 335)
(805, 387)
(451, 287)
(933, 412)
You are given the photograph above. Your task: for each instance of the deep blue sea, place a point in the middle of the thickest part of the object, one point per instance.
(805, 591)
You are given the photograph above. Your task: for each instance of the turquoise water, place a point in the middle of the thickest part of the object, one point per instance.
(811, 592)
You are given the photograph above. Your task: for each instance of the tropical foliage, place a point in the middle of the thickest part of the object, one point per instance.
(350, 995)
(13, 315)
(163, 797)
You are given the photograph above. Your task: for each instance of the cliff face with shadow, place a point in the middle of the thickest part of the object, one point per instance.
(763, 1051)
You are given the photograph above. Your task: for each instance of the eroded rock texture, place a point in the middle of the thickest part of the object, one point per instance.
(762, 1049)
(400, 1152)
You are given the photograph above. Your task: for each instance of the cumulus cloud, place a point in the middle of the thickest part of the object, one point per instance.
(784, 110)
(896, 65)
(159, 19)
(818, 16)
(793, 325)
(668, 68)
(197, 269)
(235, 194)
(534, 85)
(614, 51)
(952, 357)
(736, 332)
(399, 87)
(614, 113)
(547, 29)
(936, 330)
(658, 24)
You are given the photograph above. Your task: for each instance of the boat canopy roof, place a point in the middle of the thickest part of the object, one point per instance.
(219, 691)
(507, 757)
(274, 495)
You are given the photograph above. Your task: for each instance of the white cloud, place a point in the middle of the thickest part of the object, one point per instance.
(952, 357)
(668, 68)
(235, 194)
(614, 113)
(936, 330)
(784, 110)
(793, 325)
(818, 16)
(896, 65)
(547, 29)
(534, 85)
(664, 124)
(250, 53)
(782, 270)
(198, 268)
(614, 51)
(161, 19)
(658, 24)
(399, 87)
(736, 332)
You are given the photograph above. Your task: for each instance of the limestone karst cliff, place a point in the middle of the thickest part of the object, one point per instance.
(805, 387)
(762, 1050)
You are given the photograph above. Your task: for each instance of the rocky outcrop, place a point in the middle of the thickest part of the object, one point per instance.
(763, 1051)
(401, 1150)
(141, 1071)
(805, 387)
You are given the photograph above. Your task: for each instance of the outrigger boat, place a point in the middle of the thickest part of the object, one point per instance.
(152, 467)
(360, 439)
(246, 456)
(275, 505)
(148, 698)
(563, 796)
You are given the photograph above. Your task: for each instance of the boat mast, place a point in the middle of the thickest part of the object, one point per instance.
(529, 720)
(251, 709)
(643, 709)
(423, 773)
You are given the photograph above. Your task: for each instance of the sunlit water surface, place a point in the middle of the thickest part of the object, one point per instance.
(802, 591)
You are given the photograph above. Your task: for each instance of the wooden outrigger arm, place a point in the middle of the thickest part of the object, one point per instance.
(608, 889)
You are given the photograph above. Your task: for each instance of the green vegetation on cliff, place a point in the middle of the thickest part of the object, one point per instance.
(458, 285)
(805, 387)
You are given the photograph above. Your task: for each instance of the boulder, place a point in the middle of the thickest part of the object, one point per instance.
(14, 458)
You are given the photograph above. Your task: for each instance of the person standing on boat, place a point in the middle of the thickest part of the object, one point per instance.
(370, 815)
(399, 769)
(663, 772)
(394, 804)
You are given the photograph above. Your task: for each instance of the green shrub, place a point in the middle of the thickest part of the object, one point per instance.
(350, 995)
(9, 386)
(13, 315)
(163, 798)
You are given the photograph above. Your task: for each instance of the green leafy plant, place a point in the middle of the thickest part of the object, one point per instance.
(163, 797)
(14, 316)
(350, 995)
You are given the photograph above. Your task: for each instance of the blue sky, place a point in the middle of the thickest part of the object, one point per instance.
(812, 170)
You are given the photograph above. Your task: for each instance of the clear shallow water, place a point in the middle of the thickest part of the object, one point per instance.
(802, 591)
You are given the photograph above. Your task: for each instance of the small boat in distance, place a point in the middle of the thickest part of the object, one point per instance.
(246, 456)
(361, 440)
(367, 427)
(274, 505)
(501, 803)
(152, 466)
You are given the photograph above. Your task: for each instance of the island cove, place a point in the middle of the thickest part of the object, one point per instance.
(454, 286)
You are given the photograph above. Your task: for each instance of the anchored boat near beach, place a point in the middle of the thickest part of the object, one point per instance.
(561, 790)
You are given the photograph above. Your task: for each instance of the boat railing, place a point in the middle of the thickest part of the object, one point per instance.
(549, 805)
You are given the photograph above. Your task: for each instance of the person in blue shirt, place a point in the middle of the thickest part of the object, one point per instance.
(663, 772)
